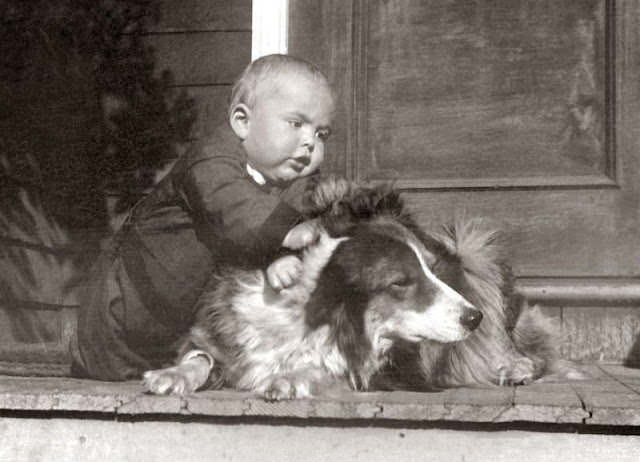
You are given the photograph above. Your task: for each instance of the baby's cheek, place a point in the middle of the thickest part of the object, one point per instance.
(316, 161)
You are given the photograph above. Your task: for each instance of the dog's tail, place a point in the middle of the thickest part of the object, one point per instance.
(538, 337)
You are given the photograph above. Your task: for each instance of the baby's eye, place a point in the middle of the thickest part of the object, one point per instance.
(323, 134)
(295, 123)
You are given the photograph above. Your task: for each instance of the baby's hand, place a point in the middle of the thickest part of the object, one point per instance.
(284, 272)
(301, 235)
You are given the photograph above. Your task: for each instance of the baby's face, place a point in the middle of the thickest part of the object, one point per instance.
(288, 127)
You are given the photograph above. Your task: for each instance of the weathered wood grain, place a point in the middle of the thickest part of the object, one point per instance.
(485, 89)
(604, 400)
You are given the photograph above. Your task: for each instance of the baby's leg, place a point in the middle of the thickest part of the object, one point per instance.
(186, 377)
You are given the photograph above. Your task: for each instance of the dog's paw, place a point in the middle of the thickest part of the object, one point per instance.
(285, 388)
(281, 388)
(521, 371)
(169, 381)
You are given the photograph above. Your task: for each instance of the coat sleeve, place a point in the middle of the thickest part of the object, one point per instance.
(229, 207)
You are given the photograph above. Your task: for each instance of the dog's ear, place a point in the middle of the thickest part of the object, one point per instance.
(327, 297)
(384, 199)
(329, 201)
(338, 304)
(325, 195)
(341, 204)
(350, 336)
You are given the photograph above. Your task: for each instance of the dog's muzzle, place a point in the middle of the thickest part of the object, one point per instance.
(471, 318)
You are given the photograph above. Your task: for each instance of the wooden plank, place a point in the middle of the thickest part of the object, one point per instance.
(202, 58)
(608, 400)
(597, 386)
(204, 15)
(461, 404)
(626, 376)
(552, 402)
(612, 408)
(603, 401)
(620, 372)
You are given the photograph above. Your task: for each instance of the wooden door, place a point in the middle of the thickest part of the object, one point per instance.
(523, 112)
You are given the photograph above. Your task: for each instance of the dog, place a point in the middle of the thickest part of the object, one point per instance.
(381, 304)
(514, 345)
(366, 284)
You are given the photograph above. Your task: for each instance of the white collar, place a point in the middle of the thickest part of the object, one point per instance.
(256, 175)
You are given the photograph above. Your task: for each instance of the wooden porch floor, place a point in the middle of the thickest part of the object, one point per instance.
(610, 398)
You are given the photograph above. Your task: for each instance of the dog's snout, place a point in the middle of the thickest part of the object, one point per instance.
(471, 318)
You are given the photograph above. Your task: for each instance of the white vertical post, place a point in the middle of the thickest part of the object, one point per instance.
(270, 23)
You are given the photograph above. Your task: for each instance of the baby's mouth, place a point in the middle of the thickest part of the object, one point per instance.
(300, 163)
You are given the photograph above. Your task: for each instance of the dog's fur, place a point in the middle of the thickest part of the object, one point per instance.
(514, 344)
(371, 309)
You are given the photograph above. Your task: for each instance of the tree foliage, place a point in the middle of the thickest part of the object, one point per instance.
(87, 112)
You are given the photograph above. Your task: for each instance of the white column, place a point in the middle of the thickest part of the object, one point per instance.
(270, 22)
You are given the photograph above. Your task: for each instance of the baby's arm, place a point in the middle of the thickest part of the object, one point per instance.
(285, 271)
(301, 235)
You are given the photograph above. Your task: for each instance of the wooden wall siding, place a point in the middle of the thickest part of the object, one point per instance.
(598, 320)
(486, 90)
(601, 333)
(205, 44)
(597, 333)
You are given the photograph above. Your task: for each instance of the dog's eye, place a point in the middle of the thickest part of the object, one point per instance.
(403, 282)
(400, 286)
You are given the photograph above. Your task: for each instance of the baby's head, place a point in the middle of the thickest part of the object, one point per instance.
(281, 108)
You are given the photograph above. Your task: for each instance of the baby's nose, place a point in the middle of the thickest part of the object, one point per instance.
(309, 140)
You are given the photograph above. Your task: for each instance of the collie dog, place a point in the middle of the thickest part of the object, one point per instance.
(380, 304)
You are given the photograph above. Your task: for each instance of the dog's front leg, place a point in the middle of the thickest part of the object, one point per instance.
(186, 377)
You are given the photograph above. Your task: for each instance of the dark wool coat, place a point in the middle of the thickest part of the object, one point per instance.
(205, 214)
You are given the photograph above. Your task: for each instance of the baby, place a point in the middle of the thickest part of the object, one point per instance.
(233, 199)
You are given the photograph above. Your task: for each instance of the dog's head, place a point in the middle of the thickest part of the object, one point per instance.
(378, 283)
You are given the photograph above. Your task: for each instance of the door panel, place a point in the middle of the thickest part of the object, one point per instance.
(524, 113)
(511, 92)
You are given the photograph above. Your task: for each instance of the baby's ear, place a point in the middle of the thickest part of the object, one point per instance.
(239, 120)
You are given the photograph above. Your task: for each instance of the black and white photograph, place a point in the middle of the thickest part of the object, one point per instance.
(320, 230)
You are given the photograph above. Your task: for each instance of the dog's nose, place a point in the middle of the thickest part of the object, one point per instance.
(471, 318)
